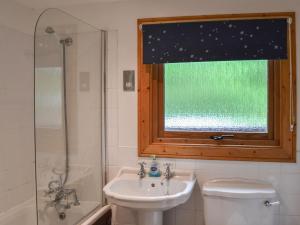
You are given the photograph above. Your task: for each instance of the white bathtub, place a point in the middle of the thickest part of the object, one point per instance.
(49, 216)
(25, 214)
(95, 215)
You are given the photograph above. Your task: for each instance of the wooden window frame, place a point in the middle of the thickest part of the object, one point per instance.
(279, 145)
(269, 138)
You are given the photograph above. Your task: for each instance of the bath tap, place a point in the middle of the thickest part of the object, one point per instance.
(62, 201)
(72, 192)
(60, 196)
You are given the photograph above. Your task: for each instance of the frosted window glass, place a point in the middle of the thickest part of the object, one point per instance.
(225, 96)
(49, 93)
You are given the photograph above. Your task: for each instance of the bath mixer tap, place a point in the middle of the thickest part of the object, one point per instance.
(61, 198)
(142, 172)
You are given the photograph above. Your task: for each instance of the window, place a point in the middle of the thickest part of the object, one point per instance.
(218, 109)
(48, 97)
(202, 96)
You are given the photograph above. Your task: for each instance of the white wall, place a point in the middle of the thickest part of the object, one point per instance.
(16, 99)
(120, 19)
(17, 16)
(16, 105)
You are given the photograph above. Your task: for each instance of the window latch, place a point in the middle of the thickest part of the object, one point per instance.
(220, 137)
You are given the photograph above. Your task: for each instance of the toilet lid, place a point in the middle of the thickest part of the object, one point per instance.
(238, 188)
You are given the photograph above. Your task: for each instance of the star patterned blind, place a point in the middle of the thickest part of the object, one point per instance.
(251, 39)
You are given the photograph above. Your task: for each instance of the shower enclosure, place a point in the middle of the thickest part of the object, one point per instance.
(69, 83)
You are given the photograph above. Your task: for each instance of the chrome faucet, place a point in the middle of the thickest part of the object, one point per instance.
(142, 172)
(168, 174)
(61, 198)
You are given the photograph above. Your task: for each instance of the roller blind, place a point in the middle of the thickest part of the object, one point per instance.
(225, 40)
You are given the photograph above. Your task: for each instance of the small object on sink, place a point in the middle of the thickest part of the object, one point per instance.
(154, 168)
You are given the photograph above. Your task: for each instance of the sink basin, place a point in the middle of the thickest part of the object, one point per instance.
(150, 196)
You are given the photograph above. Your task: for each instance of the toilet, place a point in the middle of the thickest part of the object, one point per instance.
(239, 201)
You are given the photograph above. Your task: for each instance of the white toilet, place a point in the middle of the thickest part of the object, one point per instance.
(239, 201)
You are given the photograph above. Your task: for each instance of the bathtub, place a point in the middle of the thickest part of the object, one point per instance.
(95, 215)
(49, 216)
(25, 214)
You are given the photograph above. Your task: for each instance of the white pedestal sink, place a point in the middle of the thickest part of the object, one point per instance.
(149, 196)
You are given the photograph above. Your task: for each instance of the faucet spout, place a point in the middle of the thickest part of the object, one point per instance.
(142, 171)
(168, 174)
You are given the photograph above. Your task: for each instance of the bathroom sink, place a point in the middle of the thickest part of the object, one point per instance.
(149, 195)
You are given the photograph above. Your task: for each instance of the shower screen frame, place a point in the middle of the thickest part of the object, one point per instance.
(102, 69)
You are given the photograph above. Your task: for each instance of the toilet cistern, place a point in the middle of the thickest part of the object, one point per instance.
(239, 201)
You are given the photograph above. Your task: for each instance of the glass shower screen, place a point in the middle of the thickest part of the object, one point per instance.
(68, 117)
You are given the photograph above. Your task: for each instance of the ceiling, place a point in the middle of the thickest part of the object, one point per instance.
(40, 4)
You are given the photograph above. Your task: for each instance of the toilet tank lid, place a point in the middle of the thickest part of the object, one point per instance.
(238, 188)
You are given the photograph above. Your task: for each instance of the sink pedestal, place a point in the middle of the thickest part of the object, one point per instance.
(146, 217)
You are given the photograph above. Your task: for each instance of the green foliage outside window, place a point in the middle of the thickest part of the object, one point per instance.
(216, 96)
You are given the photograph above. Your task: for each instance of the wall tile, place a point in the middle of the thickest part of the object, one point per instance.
(199, 217)
(16, 118)
(112, 137)
(112, 60)
(112, 117)
(290, 204)
(125, 216)
(291, 167)
(112, 156)
(290, 220)
(188, 164)
(127, 118)
(270, 172)
(169, 217)
(127, 156)
(112, 98)
(112, 172)
(290, 184)
(182, 216)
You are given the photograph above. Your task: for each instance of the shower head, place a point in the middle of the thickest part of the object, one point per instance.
(67, 41)
(49, 30)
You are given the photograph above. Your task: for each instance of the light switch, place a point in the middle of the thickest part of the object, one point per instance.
(128, 80)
